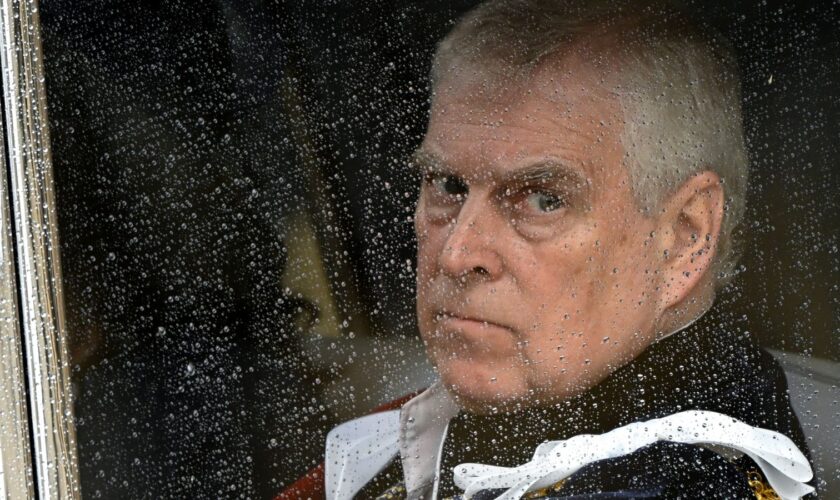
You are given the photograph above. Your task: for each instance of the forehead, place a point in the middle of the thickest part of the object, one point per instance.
(563, 112)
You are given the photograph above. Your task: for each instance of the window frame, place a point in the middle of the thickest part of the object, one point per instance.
(39, 457)
(38, 447)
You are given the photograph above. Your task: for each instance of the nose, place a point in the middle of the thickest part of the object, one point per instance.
(471, 249)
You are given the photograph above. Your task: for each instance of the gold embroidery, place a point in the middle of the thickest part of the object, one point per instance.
(544, 492)
(761, 490)
(396, 492)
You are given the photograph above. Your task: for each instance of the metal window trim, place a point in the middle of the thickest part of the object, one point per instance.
(16, 479)
(39, 285)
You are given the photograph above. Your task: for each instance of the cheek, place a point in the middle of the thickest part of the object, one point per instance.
(430, 241)
(562, 272)
(636, 263)
(573, 291)
(560, 309)
(424, 233)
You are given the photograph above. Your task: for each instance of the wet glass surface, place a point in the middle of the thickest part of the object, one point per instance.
(236, 220)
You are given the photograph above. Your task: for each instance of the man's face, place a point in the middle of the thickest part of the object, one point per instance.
(536, 272)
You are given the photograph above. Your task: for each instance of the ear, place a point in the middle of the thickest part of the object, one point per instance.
(689, 226)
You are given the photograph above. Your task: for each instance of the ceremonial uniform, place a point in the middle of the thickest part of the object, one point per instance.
(662, 444)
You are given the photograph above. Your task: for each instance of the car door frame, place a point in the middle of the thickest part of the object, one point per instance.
(39, 457)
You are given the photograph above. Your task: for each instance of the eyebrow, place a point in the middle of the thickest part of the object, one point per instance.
(548, 170)
(424, 162)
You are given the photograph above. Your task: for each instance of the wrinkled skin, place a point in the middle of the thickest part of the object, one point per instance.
(538, 274)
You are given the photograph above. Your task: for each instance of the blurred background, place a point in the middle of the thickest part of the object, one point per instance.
(235, 219)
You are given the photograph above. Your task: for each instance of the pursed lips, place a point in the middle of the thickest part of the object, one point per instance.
(473, 337)
(471, 321)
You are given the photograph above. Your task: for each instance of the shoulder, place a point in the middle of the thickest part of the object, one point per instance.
(312, 483)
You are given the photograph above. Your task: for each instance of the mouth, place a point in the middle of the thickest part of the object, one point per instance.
(469, 321)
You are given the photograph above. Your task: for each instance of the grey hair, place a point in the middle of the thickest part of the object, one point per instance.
(679, 89)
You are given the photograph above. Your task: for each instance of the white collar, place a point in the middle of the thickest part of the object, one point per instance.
(359, 449)
(423, 424)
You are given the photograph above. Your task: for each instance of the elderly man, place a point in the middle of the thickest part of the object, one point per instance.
(584, 168)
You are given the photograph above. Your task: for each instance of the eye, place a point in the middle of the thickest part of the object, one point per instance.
(544, 202)
(448, 185)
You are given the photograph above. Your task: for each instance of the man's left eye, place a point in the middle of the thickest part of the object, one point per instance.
(544, 202)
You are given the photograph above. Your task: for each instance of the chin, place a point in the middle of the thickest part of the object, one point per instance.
(479, 390)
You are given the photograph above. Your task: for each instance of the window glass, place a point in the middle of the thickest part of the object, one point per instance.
(236, 209)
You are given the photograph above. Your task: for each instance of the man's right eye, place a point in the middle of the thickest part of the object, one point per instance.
(448, 185)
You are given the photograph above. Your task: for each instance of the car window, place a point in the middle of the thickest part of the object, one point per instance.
(235, 190)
